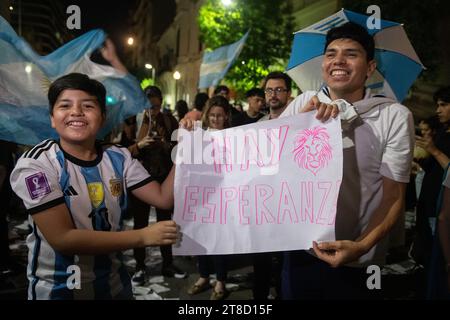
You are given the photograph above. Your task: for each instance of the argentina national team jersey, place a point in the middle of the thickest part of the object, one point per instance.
(95, 192)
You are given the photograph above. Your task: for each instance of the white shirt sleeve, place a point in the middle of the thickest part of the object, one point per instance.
(36, 182)
(398, 153)
(135, 175)
(297, 104)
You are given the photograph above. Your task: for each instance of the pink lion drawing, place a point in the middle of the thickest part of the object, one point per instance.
(312, 149)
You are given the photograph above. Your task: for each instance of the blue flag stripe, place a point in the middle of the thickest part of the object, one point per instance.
(26, 76)
(216, 64)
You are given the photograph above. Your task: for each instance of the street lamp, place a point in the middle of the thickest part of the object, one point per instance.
(150, 67)
(176, 76)
(130, 41)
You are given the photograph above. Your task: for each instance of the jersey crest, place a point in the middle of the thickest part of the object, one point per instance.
(96, 194)
(115, 187)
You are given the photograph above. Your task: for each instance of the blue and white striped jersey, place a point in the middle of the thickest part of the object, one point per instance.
(95, 193)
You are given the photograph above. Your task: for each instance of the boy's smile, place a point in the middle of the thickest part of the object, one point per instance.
(77, 117)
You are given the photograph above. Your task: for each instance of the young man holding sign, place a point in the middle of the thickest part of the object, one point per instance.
(378, 139)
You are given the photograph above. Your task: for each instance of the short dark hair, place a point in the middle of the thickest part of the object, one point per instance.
(200, 100)
(279, 75)
(353, 31)
(77, 81)
(181, 107)
(153, 91)
(217, 101)
(442, 94)
(255, 92)
(432, 122)
(221, 88)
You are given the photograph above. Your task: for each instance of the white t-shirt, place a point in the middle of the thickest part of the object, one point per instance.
(378, 144)
(95, 192)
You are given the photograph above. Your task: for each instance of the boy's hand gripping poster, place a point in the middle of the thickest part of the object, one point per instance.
(267, 186)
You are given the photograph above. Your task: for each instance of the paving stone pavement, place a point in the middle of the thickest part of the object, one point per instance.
(399, 276)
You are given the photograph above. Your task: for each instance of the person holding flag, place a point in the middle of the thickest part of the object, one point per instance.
(75, 190)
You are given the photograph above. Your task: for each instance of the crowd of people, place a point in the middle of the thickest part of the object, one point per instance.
(78, 190)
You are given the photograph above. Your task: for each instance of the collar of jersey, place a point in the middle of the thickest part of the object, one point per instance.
(84, 163)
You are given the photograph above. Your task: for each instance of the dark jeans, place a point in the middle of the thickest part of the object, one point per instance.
(307, 277)
(220, 266)
(141, 212)
(266, 266)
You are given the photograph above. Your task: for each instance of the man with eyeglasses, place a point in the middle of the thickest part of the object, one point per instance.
(277, 88)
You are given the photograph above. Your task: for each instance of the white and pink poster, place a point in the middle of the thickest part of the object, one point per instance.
(267, 186)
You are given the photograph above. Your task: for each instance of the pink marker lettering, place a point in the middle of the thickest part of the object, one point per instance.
(226, 196)
(263, 192)
(286, 205)
(210, 207)
(243, 203)
(307, 203)
(332, 217)
(326, 186)
(190, 203)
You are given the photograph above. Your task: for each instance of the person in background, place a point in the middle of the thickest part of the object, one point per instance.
(267, 265)
(216, 117)
(438, 149)
(223, 91)
(155, 155)
(422, 237)
(181, 109)
(199, 103)
(255, 99)
(7, 150)
(444, 231)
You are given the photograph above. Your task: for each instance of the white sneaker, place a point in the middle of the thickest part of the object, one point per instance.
(138, 278)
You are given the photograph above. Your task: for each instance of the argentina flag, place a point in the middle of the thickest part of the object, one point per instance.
(25, 78)
(215, 64)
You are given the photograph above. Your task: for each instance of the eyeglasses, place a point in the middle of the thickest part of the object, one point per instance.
(271, 91)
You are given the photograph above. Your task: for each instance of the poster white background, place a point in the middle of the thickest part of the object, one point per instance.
(267, 186)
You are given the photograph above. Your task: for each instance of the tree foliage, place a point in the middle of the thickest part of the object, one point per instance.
(268, 44)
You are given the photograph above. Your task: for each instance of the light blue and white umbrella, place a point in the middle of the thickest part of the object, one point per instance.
(397, 63)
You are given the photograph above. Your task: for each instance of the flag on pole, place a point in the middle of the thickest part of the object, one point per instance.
(25, 78)
(215, 64)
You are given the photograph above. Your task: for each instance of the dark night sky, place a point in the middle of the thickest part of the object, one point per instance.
(113, 17)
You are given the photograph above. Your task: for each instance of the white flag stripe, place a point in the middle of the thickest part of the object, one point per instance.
(214, 67)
